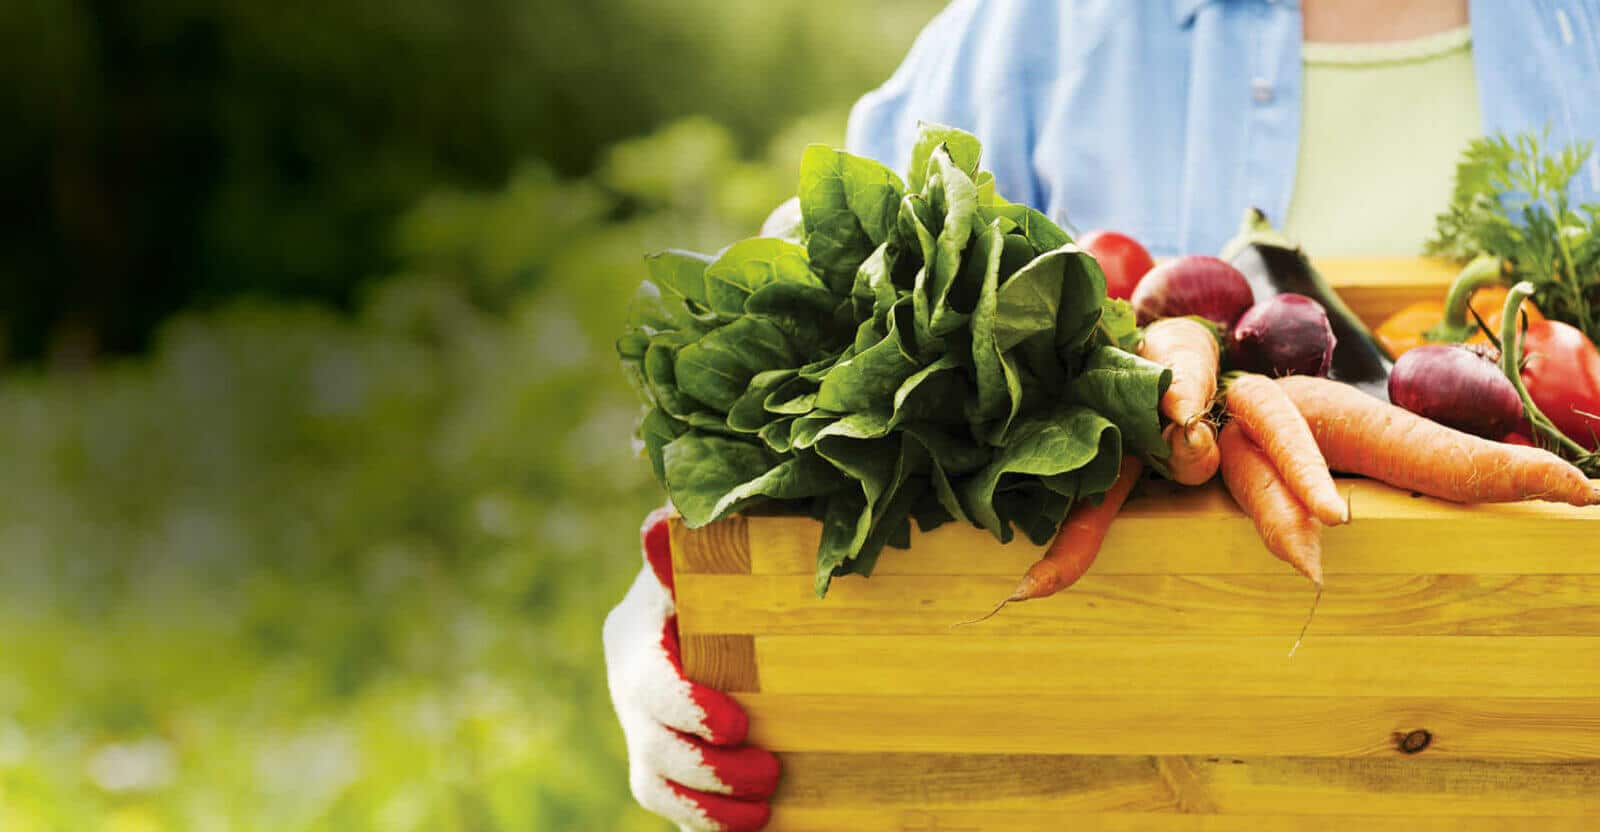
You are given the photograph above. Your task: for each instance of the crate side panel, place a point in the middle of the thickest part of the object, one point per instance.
(1119, 605)
(1437, 666)
(1177, 724)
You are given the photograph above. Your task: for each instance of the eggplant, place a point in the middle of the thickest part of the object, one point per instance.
(1273, 266)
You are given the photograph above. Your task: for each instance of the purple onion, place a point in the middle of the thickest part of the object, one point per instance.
(1458, 387)
(1193, 285)
(1284, 335)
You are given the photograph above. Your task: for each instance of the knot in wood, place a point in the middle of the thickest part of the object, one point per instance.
(1415, 742)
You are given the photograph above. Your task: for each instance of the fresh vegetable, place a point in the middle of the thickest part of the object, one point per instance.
(1190, 349)
(1193, 284)
(1512, 201)
(1361, 435)
(1270, 419)
(1193, 456)
(1286, 334)
(1286, 528)
(1479, 288)
(1078, 542)
(1273, 266)
(1458, 386)
(1566, 383)
(1562, 371)
(927, 352)
(1122, 259)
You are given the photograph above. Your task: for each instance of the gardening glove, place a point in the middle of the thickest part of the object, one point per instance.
(687, 760)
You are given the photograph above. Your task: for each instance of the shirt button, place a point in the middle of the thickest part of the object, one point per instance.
(1261, 91)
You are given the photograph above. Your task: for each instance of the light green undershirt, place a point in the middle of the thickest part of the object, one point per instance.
(1381, 128)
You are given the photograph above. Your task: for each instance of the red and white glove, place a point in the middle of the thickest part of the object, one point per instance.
(687, 760)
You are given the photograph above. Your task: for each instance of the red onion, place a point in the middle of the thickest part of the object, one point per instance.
(1458, 387)
(1193, 285)
(1285, 335)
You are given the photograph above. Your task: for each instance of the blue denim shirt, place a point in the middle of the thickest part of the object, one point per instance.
(1168, 118)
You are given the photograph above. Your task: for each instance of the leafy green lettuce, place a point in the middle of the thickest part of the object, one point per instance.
(924, 354)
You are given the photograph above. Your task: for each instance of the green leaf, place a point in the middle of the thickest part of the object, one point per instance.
(873, 292)
(710, 476)
(1034, 226)
(716, 369)
(959, 145)
(868, 380)
(1120, 325)
(660, 377)
(999, 386)
(1061, 442)
(1126, 389)
(753, 264)
(680, 272)
(805, 314)
(849, 205)
(749, 413)
(954, 201)
(657, 429)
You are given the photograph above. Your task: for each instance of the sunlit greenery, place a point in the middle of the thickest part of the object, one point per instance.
(297, 570)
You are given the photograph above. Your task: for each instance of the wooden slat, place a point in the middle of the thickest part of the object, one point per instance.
(1136, 722)
(1375, 288)
(1412, 787)
(724, 662)
(955, 820)
(930, 781)
(1442, 666)
(1175, 531)
(1115, 605)
(722, 548)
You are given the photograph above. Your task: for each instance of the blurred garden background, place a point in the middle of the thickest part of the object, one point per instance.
(317, 476)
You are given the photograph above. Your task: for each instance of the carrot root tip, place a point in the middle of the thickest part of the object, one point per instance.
(986, 616)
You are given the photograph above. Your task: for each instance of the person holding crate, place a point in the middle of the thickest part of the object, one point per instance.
(1164, 119)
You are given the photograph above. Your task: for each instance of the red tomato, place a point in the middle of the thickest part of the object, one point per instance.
(1122, 259)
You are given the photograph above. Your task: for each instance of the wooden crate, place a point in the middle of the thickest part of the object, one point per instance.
(1451, 679)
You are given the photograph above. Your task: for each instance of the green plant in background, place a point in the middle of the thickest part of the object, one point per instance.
(164, 153)
(300, 570)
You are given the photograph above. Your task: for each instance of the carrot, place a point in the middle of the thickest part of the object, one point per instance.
(1266, 415)
(1078, 541)
(1076, 544)
(1190, 350)
(1194, 456)
(1285, 526)
(1362, 435)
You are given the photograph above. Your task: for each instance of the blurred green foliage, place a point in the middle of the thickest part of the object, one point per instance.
(299, 570)
(164, 153)
(333, 553)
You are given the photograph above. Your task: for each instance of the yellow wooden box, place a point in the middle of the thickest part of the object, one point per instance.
(1450, 681)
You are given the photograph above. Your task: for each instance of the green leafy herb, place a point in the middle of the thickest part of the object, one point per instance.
(1511, 201)
(934, 354)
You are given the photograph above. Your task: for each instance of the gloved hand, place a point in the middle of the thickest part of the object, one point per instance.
(686, 755)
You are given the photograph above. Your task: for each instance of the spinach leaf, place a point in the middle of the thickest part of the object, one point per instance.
(750, 265)
(959, 146)
(1127, 389)
(849, 205)
(928, 355)
(1058, 443)
(716, 368)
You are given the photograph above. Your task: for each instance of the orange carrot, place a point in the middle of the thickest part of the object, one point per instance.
(1190, 350)
(1266, 415)
(1194, 456)
(1078, 541)
(1076, 544)
(1362, 435)
(1285, 526)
